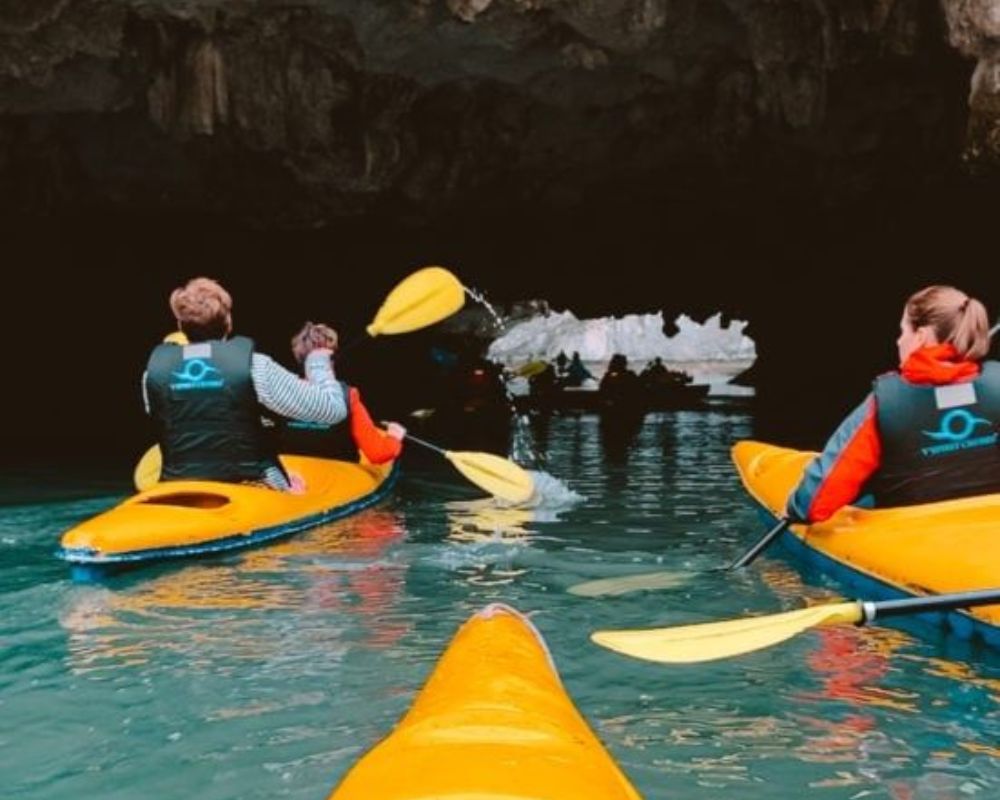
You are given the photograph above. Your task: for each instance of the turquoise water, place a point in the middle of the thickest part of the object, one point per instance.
(266, 674)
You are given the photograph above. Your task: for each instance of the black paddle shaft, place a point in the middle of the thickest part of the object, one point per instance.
(426, 444)
(421, 442)
(751, 555)
(915, 605)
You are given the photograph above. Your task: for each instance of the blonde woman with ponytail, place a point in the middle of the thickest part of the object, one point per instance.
(928, 431)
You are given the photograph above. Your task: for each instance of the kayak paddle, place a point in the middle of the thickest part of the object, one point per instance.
(147, 471)
(651, 581)
(425, 297)
(686, 644)
(750, 555)
(644, 582)
(499, 476)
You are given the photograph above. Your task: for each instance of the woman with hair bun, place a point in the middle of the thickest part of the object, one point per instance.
(208, 390)
(377, 445)
(927, 432)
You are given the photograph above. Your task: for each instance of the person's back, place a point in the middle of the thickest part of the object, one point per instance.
(561, 364)
(208, 396)
(202, 394)
(654, 373)
(926, 433)
(544, 381)
(577, 373)
(619, 382)
(939, 439)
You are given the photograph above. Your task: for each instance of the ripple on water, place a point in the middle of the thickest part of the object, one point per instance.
(266, 674)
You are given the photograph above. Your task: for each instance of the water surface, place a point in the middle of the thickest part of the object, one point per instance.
(266, 674)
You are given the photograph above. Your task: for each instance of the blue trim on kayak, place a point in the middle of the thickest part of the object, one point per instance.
(962, 625)
(91, 557)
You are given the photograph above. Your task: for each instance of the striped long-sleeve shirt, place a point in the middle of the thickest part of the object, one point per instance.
(319, 398)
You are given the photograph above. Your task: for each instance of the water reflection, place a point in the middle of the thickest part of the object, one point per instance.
(848, 662)
(485, 520)
(266, 674)
(335, 577)
(860, 668)
(618, 431)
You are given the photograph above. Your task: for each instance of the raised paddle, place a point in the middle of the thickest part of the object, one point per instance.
(499, 476)
(671, 579)
(425, 297)
(709, 641)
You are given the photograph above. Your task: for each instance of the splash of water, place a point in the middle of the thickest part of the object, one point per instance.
(492, 520)
(522, 447)
(550, 494)
(480, 297)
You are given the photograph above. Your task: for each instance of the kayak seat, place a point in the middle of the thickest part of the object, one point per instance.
(189, 500)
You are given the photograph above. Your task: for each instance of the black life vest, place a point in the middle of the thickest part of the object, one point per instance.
(938, 442)
(203, 398)
(317, 439)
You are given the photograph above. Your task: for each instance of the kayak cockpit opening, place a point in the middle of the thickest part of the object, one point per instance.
(188, 500)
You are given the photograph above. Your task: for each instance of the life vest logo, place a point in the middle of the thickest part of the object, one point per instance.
(956, 431)
(197, 374)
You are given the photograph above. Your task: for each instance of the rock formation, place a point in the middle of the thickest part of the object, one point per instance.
(296, 114)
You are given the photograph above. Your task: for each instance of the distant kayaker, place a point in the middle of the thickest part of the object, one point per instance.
(656, 375)
(378, 445)
(576, 373)
(562, 363)
(619, 384)
(925, 433)
(208, 395)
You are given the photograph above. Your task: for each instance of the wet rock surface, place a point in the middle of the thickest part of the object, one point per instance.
(295, 115)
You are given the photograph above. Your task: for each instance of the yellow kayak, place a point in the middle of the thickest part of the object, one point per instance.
(493, 722)
(187, 518)
(934, 548)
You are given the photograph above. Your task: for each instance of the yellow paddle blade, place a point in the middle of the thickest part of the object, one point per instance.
(147, 471)
(500, 477)
(427, 296)
(648, 581)
(708, 641)
(531, 369)
(177, 337)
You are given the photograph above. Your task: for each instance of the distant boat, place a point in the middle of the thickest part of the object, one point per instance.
(660, 398)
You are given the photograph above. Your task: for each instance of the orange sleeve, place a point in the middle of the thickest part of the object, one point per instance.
(836, 477)
(376, 445)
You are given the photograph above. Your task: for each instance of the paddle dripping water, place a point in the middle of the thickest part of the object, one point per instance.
(522, 448)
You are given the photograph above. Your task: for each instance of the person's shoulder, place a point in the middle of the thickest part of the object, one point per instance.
(242, 341)
(990, 369)
(888, 375)
(163, 349)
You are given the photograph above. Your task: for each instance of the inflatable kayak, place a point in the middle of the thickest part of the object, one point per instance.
(934, 548)
(493, 722)
(188, 518)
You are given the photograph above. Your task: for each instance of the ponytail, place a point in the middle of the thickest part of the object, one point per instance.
(971, 336)
(955, 317)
